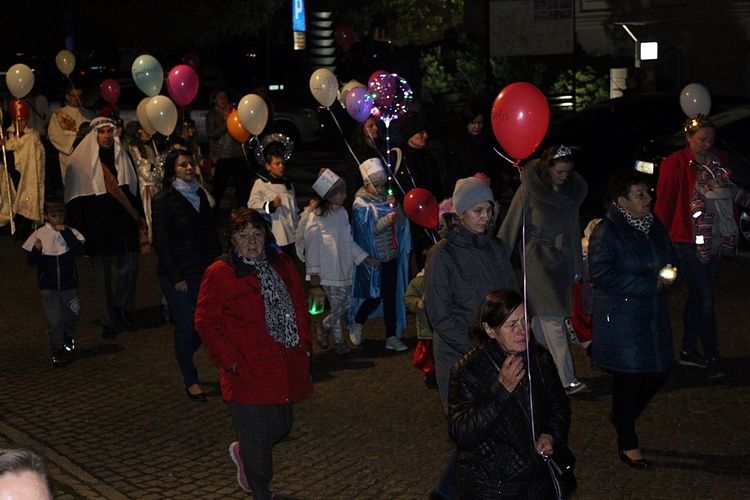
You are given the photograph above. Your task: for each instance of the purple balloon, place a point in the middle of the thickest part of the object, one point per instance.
(359, 104)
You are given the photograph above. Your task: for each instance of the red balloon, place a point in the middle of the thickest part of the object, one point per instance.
(421, 207)
(344, 36)
(110, 90)
(520, 117)
(182, 84)
(374, 77)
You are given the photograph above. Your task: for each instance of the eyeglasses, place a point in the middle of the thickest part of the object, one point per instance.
(255, 234)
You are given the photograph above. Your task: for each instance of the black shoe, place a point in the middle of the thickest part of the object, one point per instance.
(70, 344)
(59, 357)
(640, 463)
(198, 398)
(714, 369)
(126, 320)
(692, 358)
(109, 332)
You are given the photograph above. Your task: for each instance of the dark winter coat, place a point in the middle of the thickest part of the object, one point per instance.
(461, 270)
(57, 272)
(632, 332)
(185, 240)
(492, 429)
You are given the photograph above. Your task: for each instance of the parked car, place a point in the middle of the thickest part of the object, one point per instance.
(732, 132)
(605, 135)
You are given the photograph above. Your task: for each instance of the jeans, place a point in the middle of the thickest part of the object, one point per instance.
(549, 331)
(62, 309)
(388, 283)
(124, 294)
(259, 428)
(182, 308)
(699, 318)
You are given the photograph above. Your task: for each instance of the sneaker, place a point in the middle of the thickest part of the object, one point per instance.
(321, 335)
(395, 344)
(70, 344)
(355, 334)
(714, 369)
(342, 349)
(234, 452)
(692, 358)
(575, 387)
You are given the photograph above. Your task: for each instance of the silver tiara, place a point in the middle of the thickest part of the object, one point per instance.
(562, 151)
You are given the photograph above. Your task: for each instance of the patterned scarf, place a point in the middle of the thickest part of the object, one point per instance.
(643, 224)
(281, 320)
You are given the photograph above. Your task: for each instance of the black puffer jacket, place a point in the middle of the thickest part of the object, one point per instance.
(186, 240)
(492, 429)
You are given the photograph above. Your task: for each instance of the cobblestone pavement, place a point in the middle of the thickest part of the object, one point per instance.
(116, 422)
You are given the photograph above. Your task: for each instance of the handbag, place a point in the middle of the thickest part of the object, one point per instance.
(561, 467)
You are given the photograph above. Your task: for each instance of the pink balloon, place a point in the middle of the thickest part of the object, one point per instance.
(110, 90)
(520, 117)
(421, 207)
(392, 95)
(182, 84)
(359, 104)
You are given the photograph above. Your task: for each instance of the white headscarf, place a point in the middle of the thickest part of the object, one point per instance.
(84, 175)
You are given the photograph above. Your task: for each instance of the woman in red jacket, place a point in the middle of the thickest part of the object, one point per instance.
(252, 317)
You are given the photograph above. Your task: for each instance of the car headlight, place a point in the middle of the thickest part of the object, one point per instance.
(646, 167)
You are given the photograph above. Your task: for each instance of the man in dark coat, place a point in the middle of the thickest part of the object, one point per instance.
(103, 201)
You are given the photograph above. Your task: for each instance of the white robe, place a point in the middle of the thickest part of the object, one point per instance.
(62, 133)
(29, 154)
(286, 216)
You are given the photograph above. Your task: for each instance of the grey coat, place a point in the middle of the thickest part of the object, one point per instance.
(553, 240)
(461, 270)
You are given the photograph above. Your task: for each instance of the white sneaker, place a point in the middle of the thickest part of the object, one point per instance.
(355, 334)
(395, 344)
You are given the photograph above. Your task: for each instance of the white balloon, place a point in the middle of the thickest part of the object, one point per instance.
(66, 62)
(162, 113)
(20, 80)
(695, 100)
(324, 86)
(142, 115)
(253, 113)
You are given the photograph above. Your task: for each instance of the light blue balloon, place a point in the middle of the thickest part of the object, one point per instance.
(148, 75)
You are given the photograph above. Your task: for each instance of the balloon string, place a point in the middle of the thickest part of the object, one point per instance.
(338, 126)
(247, 160)
(525, 307)
(504, 157)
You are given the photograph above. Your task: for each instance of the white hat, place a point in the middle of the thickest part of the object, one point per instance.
(328, 184)
(373, 171)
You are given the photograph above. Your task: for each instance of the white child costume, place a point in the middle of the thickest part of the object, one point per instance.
(285, 217)
(330, 251)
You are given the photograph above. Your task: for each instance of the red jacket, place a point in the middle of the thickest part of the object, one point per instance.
(230, 319)
(676, 183)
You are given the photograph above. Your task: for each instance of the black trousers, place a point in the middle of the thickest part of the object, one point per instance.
(631, 393)
(388, 284)
(259, 428)
(239, 170)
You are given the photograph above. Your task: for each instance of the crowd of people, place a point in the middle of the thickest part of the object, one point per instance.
(505, 393)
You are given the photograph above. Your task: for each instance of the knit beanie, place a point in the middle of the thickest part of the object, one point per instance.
(470, 192)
